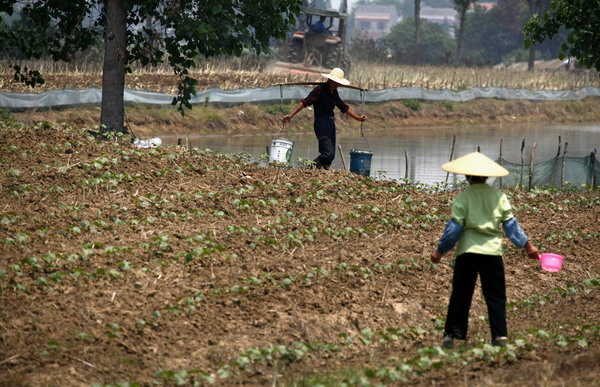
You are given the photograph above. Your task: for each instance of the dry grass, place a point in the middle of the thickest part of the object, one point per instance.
(251, 72)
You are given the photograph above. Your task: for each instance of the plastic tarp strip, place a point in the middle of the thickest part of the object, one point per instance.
(69, 97)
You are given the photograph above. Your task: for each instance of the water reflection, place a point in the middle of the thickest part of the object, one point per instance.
(426, 148)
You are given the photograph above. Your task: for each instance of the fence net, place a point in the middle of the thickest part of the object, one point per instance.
(275, 94)
(560, 170)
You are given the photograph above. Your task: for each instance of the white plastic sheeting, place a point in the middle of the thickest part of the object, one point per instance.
(67, 97)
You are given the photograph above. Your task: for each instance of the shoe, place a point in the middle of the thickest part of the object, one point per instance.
(448, 342)
(500, 341)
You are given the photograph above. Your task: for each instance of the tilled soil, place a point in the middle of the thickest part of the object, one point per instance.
(120, 264)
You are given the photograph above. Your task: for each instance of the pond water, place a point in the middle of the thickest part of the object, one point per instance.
(426, 148)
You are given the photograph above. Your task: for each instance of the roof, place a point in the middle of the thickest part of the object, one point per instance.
(441, 14)
(379, 12)
(485, 5)
(322, 12)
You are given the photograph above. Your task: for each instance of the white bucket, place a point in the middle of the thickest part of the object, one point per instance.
(281, 150)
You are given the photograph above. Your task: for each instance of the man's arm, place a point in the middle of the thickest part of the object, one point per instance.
(357, 117)
(297, 108)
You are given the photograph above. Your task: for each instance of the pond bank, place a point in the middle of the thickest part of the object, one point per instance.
(147, 121)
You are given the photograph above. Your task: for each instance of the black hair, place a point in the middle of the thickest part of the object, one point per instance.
(476, 179)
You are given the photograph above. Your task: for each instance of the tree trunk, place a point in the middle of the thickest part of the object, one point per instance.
(461, 31)
(535, 6)
(531, 60)
(417, 31)
(113, 71)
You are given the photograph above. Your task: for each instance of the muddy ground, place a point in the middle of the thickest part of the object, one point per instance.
(164, 266)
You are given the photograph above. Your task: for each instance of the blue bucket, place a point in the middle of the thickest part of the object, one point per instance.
(360, 162)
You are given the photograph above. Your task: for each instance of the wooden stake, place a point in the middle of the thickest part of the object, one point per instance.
(500, 160)
(451, 154)
(281, 94)
(522, 162)
(179, 141)
(593, 164)
(406, 161)
(342, 156)
(531, 166)
(562, 172)
(559, 143)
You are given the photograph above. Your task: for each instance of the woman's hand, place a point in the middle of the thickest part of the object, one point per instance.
(436, 257)
(532, 251)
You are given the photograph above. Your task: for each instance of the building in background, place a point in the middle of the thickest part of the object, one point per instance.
(446, 17)
(374, 21)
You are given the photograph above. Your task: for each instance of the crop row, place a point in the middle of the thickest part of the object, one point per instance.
(420, 361)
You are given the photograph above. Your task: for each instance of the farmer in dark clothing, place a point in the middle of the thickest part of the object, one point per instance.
(477, 213)
(325, 98)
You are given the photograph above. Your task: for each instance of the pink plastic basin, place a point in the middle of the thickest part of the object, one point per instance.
(551, 262)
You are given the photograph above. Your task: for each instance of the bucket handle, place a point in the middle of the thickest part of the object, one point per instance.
(362, 134)
(282, 129)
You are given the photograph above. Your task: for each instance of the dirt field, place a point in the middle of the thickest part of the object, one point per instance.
(126, 265)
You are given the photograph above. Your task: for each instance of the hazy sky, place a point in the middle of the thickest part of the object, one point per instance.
(335, 4)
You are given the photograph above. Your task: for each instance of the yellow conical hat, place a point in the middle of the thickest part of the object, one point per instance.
(475, 164)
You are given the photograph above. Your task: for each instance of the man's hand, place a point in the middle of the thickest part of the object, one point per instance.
(531, 250)
(436, 257)
(287, 118)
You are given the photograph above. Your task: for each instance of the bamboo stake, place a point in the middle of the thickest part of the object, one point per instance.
(562, 173)
(406, 161)
(559, 142)
(343, 159)
(501, 141)
(531, 166)
(522, 162)
(451, 154)
(593, 156)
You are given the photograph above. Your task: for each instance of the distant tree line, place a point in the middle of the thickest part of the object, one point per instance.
(482, 37)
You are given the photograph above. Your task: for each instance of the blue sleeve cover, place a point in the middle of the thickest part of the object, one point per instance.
(514, 232)
(450, 237)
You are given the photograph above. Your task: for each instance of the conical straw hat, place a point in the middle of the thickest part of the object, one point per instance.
(475, 164)
(337, 75)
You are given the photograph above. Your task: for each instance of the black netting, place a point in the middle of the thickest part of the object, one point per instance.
(575, 171)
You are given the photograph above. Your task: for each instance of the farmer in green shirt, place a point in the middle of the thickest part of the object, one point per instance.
(476, 215)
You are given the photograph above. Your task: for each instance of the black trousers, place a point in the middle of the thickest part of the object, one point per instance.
(490, 269)
(325, 132)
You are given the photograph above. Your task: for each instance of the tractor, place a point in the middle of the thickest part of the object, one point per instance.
(319, 41)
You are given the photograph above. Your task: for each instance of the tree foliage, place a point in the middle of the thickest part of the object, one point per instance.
(436, 45)
(581, 18)
(363, 48)
(491, 35)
